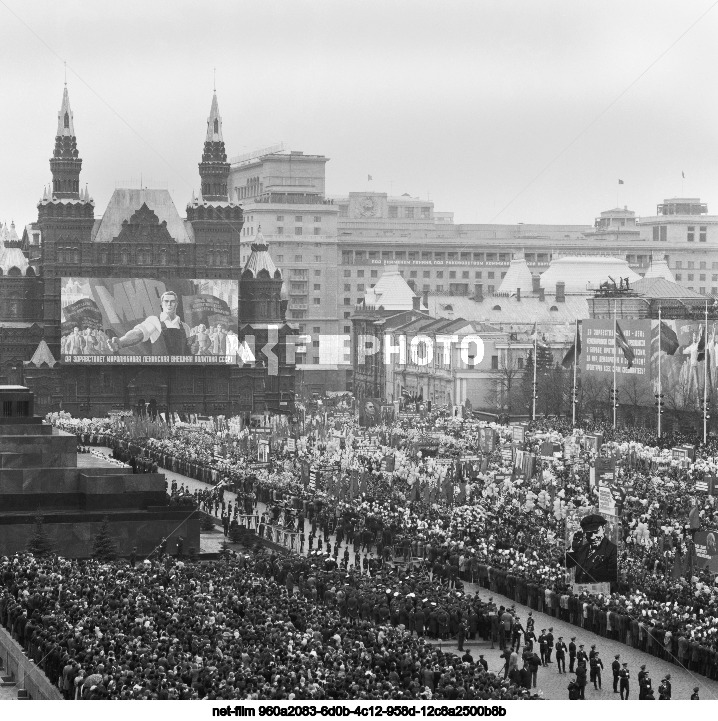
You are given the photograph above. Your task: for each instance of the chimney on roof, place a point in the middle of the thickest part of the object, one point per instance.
(416, 301)
(518, 294)
(560, 292)
(535, 283)
(479, 292)
(426, 299)
(541, 295)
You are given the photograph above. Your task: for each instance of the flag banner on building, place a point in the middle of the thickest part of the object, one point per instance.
(623, 344)
(574, 352)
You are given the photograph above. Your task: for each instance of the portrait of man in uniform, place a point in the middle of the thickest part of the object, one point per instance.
(592, 554)
(167, 333)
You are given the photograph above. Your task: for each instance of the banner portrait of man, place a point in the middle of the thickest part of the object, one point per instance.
(590, 550)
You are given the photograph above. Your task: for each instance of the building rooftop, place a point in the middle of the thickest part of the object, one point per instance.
(391, 291)
(585, 273)
(658, 287)
(502, 310)
(517, 276)
(658, 268)
(260, 259)
(126, 201)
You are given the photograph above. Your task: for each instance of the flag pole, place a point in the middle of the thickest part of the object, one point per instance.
(535, 364)
(705, 379)
(615, 343)
(660, 398)
(575, 363)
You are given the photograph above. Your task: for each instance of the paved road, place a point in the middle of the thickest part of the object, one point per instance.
(550, 682)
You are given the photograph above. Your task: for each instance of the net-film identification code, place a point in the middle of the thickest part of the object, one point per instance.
(394, 710)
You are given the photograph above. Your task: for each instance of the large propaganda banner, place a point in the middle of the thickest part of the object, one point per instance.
(706, 543)
(149, 321)
(686, 351)
(592, 546)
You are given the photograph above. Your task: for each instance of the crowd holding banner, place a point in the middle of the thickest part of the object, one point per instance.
(522, 511)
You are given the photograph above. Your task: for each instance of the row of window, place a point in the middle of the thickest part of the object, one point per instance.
(691, 276)
(142, 256)
(660, 233)
(358, 256)
(690, 265)
(407, 211)
(299, 219)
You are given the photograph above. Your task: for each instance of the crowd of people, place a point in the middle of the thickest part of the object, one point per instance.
(453, 512)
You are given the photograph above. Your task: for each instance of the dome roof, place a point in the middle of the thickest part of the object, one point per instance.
(580, 272)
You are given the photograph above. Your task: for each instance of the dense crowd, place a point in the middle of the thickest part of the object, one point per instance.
(261, 627)
(492, 527)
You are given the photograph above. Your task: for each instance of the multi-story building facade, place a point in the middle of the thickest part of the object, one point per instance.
(284, 195)
(140, 236)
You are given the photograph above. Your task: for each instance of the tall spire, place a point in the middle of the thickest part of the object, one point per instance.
(214, 123)
(65, 163)
(214, 168)
(65, 125)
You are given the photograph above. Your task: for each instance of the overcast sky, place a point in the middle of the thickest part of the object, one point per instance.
(474, 103)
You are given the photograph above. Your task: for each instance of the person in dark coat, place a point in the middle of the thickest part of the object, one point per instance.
(419, 617)
(561, 655)
(616, 668)
(581, 679)
(625, 680)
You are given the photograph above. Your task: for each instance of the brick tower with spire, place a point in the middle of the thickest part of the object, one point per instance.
(217, 223)
(66, 215)
(262, 325)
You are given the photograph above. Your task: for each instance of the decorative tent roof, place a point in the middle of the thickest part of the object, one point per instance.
(42, 354)
(517, 276)
(11, 256)
(260, 259)
(391, 291)
(659, 269)
(585, 272)
(126, 201)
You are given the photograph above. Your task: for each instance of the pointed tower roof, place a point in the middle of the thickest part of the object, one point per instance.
(659, 269)
(42, 354)
(391, 291)
(260, 259)
(214, 123)
(65, 125)
(517, 276)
